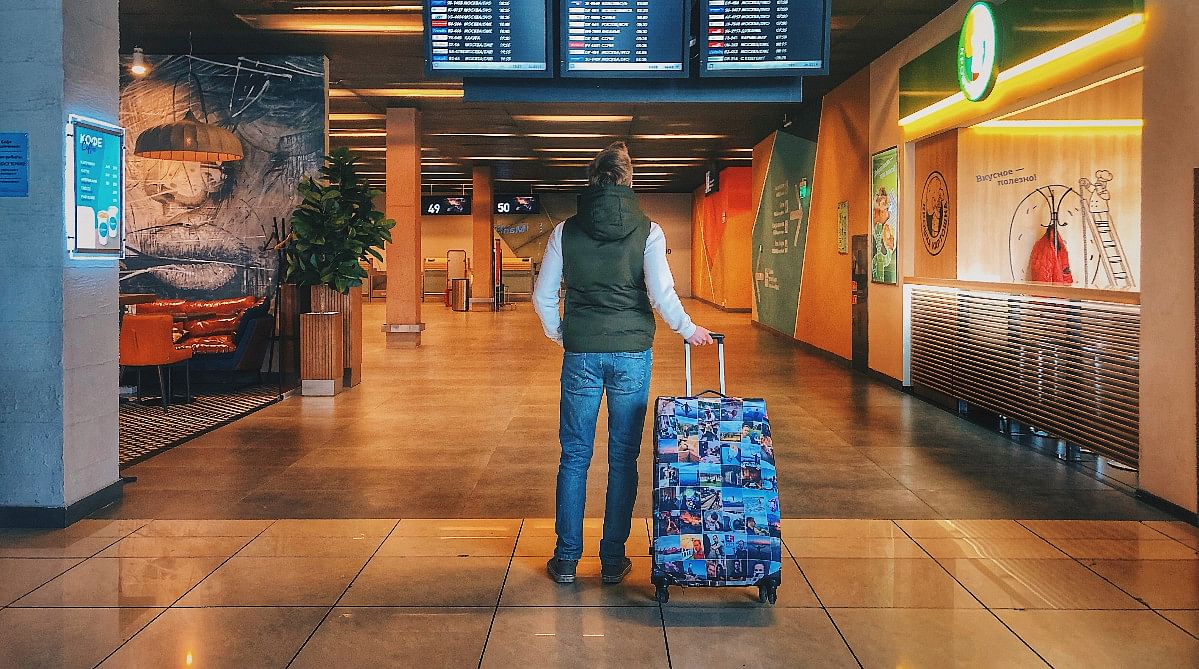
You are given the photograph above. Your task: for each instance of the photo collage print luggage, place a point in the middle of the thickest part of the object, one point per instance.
(716, 506)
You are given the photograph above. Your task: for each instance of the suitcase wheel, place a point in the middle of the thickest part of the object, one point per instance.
(662, 594)
(768, 593)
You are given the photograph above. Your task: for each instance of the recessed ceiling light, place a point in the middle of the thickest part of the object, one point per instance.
(396, 92)
(568, 150)
(371, 149)
(569, 118)
(357, 133)
(363, 22)
(357, 8)
(567, 135)
(357, 117)
(473, 134)
(680, 136)
(500, 158)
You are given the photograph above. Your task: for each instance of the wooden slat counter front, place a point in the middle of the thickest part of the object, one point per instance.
(1063, 359)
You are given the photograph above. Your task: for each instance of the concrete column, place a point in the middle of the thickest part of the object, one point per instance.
(483, 233)
(58, 323)
(403, 326)
(1168, 337)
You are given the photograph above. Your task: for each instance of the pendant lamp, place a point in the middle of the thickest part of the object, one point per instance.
(190, 139)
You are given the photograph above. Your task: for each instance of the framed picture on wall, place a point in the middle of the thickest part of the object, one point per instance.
(843, 228)
(884, 216)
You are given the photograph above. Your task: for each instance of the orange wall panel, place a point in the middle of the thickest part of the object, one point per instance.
(721, 233)
(842, 175)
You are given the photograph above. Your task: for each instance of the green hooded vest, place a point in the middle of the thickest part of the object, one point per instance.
(603, 266)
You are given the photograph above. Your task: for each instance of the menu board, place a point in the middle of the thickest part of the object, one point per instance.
(97, 188)
(764, 37)
(487, 37)
(606, 38)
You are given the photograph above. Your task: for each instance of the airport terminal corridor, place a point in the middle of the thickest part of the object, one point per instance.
(466, 426)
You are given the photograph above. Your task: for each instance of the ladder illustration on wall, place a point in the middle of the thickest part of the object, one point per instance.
(1096, 212)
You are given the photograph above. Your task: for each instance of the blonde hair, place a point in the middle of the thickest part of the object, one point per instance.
(611, 167)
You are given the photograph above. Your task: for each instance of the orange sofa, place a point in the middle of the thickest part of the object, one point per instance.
(205, 326)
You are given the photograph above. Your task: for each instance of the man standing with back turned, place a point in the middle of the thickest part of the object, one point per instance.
(613, 261)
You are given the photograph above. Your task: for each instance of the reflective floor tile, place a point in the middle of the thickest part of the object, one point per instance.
(886, 638)
(66, 638)
(276, 581)
(986, 529)
(976, 547)
(854, 547)
(398, 637)
(1037, 584)
(175, 547)
(19, 577)
(219, 637)
(1127, 549)
(900, 583)
(52, 546)
(137, 582)
(1162, 584)
(528, 584)
(576, 637)
(542, 545)
(1177, 530)
(1096, 639)
(544, 527)
(1091, 529)
(203, 528)
(792, 593)
(762, 637)
(88, 527)
(311, 546)
(330, 528)
(434, 527)
(428, 581)
(796, 527)
(454, 545)
(1187, 620)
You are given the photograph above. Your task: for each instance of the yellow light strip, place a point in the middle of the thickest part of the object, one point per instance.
(369, 149)
(396, 92)
(473, 134)
(1057, 53)
(1078, 91)
(1064, 123)
(357, 117)
(500, 158)
(363, 22)
(357, 133)
(357, 8)
(680, 136)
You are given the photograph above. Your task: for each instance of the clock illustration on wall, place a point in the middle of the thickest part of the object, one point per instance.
(934, 213)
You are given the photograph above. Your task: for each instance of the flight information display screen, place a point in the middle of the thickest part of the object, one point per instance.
(764, 37)
(488, 37)
(620, 38)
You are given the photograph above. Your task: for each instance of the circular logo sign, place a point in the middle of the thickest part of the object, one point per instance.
(934, 213)
(978, 51)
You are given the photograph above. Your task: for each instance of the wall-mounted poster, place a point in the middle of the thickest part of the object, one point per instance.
(843, 228)
(884, 216)
(207, 230)
(780, 234)
(95, 188)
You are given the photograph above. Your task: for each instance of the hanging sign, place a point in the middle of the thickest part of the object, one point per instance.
(14, 164)
(95, 188)
(978, 52)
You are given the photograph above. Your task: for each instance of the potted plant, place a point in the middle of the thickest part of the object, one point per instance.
(334, 228)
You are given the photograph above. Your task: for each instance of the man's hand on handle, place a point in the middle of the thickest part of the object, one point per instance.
(701, 337)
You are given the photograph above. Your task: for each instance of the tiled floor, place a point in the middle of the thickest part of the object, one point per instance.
(466, 426)
(260, 544)
(460, 593)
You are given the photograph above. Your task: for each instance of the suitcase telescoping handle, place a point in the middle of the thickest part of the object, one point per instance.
(720, 354)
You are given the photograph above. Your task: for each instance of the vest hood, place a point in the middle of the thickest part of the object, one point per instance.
(609, 213)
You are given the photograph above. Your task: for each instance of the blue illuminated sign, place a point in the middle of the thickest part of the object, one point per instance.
(97, 188)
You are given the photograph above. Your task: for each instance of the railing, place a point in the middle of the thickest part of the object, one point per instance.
(1059, 360)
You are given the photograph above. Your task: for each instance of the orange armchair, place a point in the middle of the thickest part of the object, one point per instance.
(146, 341)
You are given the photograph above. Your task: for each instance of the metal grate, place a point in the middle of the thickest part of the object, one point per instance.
(1069, 367)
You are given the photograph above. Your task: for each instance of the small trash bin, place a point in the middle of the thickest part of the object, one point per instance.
(460, 294)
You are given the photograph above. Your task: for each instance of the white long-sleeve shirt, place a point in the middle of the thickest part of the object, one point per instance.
(659, 282)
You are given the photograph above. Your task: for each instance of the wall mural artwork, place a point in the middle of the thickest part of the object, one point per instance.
(1056, 221)
(884, 217)
(206, 230)
(780, 233)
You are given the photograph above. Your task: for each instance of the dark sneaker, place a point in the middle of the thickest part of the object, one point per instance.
(616, 571)
(562, 571)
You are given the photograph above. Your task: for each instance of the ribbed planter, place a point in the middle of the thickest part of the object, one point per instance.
(349, 305)
(321, 354)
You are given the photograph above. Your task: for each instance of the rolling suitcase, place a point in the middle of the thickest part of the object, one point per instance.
(716, 508)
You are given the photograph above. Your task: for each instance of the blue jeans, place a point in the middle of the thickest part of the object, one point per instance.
(585, 379)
